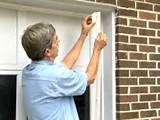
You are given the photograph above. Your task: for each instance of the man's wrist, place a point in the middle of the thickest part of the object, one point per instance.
(85, 33)
(96, 49)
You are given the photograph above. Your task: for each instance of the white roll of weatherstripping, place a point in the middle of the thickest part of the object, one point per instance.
(96, 88)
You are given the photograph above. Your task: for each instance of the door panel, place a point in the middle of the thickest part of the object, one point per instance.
(8, 46)
(67, 28)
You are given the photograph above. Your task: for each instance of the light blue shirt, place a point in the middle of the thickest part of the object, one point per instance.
(48, 91)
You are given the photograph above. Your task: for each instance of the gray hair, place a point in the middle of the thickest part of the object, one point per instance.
(36, 39)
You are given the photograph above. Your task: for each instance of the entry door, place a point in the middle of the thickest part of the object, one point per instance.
(68, 29)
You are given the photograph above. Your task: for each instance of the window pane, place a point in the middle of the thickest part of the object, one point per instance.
(82, 104)
(7, 97)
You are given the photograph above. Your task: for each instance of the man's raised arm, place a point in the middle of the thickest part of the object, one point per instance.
(72, 56)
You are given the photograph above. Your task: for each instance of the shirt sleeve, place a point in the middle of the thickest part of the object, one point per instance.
(70, 82)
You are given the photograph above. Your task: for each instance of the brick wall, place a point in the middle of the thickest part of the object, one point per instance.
(138, 56)
(138, 47)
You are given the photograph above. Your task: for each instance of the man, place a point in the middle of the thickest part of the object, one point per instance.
(48, 87)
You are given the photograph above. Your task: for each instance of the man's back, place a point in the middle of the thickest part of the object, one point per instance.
(48, 89)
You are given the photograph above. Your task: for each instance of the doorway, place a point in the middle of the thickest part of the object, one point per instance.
(66, 17)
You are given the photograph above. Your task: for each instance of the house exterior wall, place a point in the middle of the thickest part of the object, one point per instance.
(138, 56)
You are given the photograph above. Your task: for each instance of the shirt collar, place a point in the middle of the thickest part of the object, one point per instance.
(42, 62)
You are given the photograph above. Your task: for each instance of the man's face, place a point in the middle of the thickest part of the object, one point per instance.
(52, 53)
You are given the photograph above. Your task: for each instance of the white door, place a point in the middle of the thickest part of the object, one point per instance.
(67, 28)
(8, 42)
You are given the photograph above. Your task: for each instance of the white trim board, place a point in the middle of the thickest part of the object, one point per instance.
(65, 7)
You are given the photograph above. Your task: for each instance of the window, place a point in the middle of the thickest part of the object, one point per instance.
(8, 97)
(83, 105)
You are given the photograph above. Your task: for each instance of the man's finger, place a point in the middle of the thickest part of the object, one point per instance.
(92, 25)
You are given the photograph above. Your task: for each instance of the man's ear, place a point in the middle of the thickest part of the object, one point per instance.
(47, 52)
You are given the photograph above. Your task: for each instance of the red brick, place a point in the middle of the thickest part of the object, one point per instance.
(139, 106)
(146, 32)
(128, 115)
(153, 1)
(126, 47)
(147, 64)
(155, 41)
(147, 81)
(147, 48)
(126, 3)
(144, 6)
(107, 1)
(121, 21)
(158, 33)
(149, 113)
(122, 73)
(139, 73)
(140, 40)
(138, 23)
(148, 97)
(147, 16)
(126, 30)
(154, 73)
(122, 55)
(128, 13)
(157, 8)
(158, 118)
(159, 17)
(121, 38)
(159, 98)
(134, 90)
(154, 57)
(155, 104)
(89, 0)
(122, 107)
(158, 80)
(121, 90)
(127, 98)
(155, 89)
(126, 64)
(154, 25)
(138, 56)
(126, 81)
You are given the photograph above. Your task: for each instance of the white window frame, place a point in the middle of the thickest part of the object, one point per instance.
(20, 115)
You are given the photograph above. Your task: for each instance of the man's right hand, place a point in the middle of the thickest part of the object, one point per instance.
(100, 42)
(86, 25)
(92, 67)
